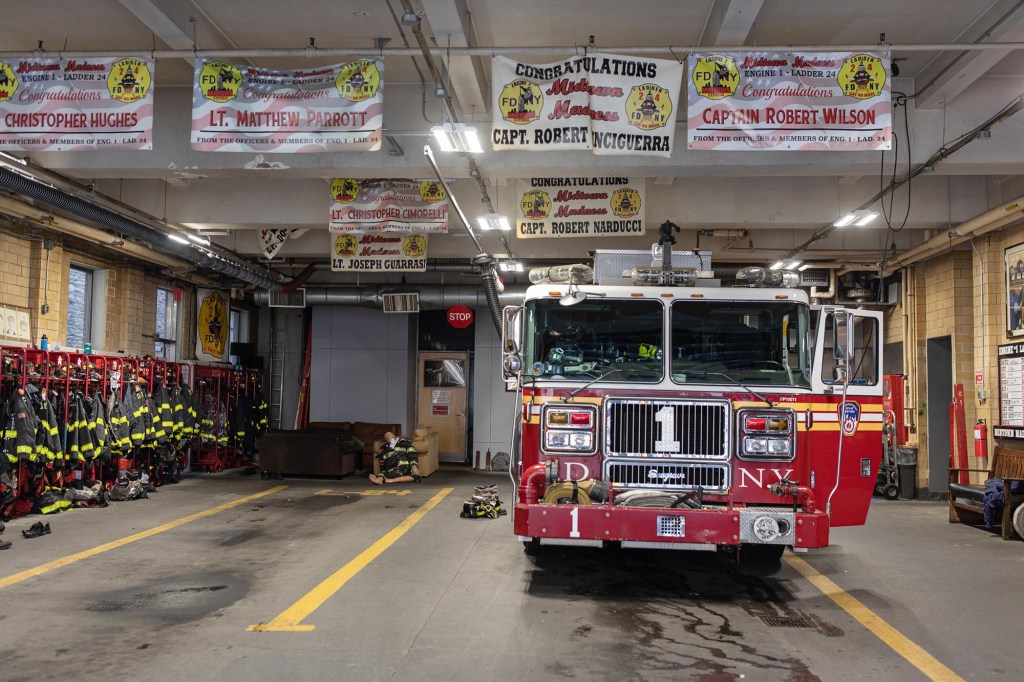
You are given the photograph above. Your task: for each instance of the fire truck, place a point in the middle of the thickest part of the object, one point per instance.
(658, 409)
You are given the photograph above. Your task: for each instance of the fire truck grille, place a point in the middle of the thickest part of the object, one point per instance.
(668, 475)
(667, 428)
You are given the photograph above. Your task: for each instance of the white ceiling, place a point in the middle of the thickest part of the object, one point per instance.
(782, 197)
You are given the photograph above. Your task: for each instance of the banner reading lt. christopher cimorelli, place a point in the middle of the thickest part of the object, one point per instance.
(51, 104)
(388, 205)
(335, 108)
(612, 104)
(814, 101)
(580, 207)
(378, 252)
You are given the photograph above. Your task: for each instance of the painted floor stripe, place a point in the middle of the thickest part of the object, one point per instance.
(72, 558)
(291, 619)
(892, 637)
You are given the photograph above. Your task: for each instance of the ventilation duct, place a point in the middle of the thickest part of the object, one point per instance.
(431, 297)
(121, 225)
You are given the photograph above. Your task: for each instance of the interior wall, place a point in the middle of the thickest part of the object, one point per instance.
(493, 406)
(362, 366)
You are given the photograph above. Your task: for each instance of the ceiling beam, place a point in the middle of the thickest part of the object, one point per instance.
(450, 25)
(730, 22)
(173, 31)
(950, 73)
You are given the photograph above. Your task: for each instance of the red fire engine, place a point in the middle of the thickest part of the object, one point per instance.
(654, 413)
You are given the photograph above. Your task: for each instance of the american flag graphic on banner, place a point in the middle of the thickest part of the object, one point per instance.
(820, 101)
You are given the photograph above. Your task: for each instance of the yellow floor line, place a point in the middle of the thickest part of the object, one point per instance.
(291, 619)
(896, 641)
(72, 558)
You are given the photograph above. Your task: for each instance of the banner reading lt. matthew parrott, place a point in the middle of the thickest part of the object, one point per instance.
(611, 104)
(334, 108)
(212, 325)
(580, 207)
(51, 104)
(815, 101)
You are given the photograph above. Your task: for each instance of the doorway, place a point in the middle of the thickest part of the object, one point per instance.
(442, 392)
(939, 354)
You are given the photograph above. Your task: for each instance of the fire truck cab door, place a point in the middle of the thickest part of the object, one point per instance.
(864, 372)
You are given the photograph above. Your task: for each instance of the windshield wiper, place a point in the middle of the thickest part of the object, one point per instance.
(704, 373)
(572, 394)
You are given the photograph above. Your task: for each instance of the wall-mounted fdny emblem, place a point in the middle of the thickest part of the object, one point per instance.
(849, 417)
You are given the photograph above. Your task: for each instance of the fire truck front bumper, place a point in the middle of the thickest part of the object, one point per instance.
(692, 529)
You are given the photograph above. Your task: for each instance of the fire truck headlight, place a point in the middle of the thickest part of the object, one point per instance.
(779, 446)
(568, 441)
(755, 445)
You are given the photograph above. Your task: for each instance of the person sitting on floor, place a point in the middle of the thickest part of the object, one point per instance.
(398, 461)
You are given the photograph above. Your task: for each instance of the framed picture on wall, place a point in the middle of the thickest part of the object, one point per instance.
(14, 323)
(1014, 258)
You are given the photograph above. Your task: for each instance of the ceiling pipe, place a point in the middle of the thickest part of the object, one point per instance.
(432, 297)
(1001, 216)
(673, 51)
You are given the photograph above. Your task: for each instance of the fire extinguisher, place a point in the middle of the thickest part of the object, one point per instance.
(980, 439)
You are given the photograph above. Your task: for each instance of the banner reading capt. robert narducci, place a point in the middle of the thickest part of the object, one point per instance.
(580, 207)
(49, 104)
(611, 104)
(336, 108)
(817, 101)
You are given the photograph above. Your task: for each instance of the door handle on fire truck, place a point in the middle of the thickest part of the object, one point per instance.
(808, 419)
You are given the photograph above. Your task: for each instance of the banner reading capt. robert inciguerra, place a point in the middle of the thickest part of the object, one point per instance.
(580, 207)
(388, 205)
(212, 326)
(379, 253)
(611, 104)
(50, 104)
(335, 108)
(816, 101)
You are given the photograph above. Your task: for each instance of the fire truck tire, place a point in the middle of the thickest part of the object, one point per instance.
(532, 547)
(751, 553)
(891, 492)
(1018, 521)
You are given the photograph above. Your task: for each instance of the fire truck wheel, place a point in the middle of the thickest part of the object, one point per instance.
(532, 547)
(761, 554)
(891, 492)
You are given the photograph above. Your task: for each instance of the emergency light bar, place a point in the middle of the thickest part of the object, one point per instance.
(763, 277)
(676, 277)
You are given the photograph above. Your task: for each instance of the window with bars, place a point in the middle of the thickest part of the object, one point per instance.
(80, 306)
(167, 311)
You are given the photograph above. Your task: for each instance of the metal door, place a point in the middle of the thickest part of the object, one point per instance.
(442, 393)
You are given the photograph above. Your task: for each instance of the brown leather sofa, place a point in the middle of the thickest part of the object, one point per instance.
(322, 449)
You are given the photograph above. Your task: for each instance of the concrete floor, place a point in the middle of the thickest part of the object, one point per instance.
(457, 599)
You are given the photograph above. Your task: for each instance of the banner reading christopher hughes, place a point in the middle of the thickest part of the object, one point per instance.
(580, 207)
(49, 104)
(611, 104)
(335, 108)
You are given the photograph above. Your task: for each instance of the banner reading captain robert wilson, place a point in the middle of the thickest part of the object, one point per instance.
(611, 104)
(580, 207)
(336, 108)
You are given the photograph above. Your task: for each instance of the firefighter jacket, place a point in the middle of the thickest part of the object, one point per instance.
(243, 428)
(119, 432)
(98, 425)
(26, 422)
(397, 459)
(8, 436)
(190, 413)
(48, 443)
(79, 443)
(136, 408)
(260, 413)
(163, 415)
(177, 403)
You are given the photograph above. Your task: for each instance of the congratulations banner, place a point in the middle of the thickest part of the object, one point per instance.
(388, 205)
(51, 105)
(820, 101)
(610, 104)
(580, 207)
(324, 109)
(212, 325)
(379, 253)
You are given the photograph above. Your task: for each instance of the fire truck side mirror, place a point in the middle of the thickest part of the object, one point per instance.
(842, 336)
(511, 344)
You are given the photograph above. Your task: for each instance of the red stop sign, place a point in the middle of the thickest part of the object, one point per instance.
(460, 317)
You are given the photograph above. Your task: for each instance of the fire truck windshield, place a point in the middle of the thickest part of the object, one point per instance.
(584, 341)
(764, 343)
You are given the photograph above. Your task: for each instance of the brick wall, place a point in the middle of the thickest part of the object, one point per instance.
(28, 278)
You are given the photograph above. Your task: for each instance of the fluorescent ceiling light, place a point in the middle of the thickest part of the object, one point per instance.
(860, 218)
(789, 264)
(493, 221)
(178, 238)
(510, 266)
(457, 137)
(777, 265)
(805, 266)
(198, 239)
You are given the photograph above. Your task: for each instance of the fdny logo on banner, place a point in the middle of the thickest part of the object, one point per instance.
(535, 204)
(129, 80)
(649, 106)
(344, 190)
(625, 202)
(432, 192)
(862, 76)
(521, 102)
(8, 82)
(358, 81)
(219, 82)
(849, 417)
(716, 76)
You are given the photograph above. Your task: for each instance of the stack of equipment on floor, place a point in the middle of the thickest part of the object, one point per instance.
(484, 504)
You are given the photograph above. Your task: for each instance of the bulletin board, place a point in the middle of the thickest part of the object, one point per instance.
(1011, 391)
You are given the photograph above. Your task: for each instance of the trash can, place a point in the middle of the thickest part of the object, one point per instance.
(906, 465)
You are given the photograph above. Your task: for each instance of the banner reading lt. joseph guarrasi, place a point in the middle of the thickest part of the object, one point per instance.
(323, 109)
